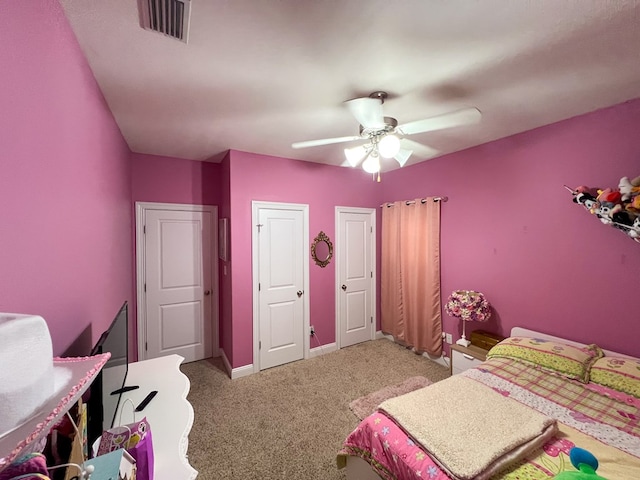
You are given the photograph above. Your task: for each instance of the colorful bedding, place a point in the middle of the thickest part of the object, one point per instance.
(458, 442)
(601, 420)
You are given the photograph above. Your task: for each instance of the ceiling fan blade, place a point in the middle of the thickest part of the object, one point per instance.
(325, 141)
(402, 156)
(466, 116)
(368, 111)
(420, 150)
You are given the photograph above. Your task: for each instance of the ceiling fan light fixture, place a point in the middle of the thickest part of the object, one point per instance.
(385, 138)
(389, 146)
(355, 155)
(371, 164)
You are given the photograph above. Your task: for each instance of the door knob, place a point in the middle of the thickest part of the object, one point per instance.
(344, 287)
(207, 292)
(300, 292)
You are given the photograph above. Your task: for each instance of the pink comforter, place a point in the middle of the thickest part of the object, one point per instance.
(391, 453)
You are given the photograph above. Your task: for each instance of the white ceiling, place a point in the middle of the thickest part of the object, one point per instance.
(258, 75)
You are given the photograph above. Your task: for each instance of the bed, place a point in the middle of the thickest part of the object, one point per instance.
(563, 394)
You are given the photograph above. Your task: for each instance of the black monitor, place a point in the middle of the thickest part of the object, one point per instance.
(107, 388)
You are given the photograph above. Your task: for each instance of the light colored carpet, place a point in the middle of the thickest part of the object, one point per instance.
(289, 422)
(364, 406)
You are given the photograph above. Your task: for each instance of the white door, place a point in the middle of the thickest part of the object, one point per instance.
(280, 268)
(179, 292)
(355, 272)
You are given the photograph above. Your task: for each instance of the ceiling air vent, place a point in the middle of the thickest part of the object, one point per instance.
(169, 17)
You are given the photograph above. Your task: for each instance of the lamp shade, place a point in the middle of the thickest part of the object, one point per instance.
(355, 155)
(468, 305)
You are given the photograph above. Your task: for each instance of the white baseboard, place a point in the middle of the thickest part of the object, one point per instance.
(442, 360)
(380, 335)
(246, 370)
(243, 371)
(323, 350)
(235, 372)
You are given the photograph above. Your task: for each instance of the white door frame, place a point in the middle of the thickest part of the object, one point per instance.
(141, 325)
(256, 205)
(372, 215)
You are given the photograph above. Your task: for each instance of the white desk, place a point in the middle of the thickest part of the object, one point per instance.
(169, 413)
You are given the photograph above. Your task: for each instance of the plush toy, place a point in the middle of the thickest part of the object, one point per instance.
(634, 230)
(585, 463)
(583, 193)
(584, 189)
(629, 188)
(633, 205)
(591, 204)
(582, 198)
(623, 220)
(609, 203)
(609, 196)
(586, 197)
(604, 213)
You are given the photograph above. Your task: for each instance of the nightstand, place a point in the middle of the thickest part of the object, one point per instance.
(463, 358)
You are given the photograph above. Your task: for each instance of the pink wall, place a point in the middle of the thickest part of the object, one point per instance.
(174, 180)
(511, 230)
(322, 187)
(65, 247)
(170, 180)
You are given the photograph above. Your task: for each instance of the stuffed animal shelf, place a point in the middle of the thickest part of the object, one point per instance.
(617, 207)
(585, 463)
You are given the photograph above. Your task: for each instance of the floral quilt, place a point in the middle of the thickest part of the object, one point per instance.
(601, 420)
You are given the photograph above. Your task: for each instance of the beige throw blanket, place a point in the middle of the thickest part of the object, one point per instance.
(470, 430)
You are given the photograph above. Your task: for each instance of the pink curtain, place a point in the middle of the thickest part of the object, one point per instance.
(410, 283)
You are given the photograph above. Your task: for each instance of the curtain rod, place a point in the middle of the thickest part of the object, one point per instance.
(422, 200)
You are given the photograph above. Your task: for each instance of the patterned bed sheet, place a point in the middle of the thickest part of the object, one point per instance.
(601, 420)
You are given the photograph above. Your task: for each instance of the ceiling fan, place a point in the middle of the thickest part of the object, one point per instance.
(385, 138)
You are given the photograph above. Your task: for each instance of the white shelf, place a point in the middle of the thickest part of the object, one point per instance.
(170, 415)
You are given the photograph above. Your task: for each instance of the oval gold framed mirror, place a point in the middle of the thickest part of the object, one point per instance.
(322, 250)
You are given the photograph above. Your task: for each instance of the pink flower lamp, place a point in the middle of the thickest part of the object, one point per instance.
(470, 306)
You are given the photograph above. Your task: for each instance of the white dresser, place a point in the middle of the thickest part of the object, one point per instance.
(170, 415)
